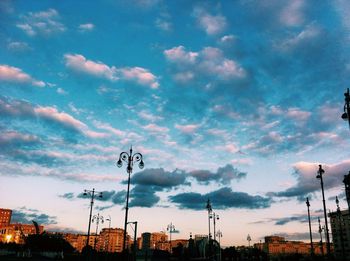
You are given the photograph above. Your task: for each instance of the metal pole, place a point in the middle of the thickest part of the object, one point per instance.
(320, 173)
(91, 204)
(97, 221)
(126, 208)
(214, 216)
(346, 182)
(308, 214)
(135, 240)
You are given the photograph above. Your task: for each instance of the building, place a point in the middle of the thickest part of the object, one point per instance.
(5, 217)
(15, 233)
(340, 226)
(111, 240)
(276, 245)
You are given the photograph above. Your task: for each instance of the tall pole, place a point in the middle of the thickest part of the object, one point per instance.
(340, 228)
(129, 158)
(98, 218)
(208, 207)
(215, 217)
(135, 240)
(109, 219)
(319, 176)
(171, 229)
(92, 194)
(320, 231)
(308, 214)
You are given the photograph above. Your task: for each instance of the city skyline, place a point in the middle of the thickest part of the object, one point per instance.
(236, 101)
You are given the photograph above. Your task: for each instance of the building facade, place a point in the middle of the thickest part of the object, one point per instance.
(340, 226)
(5, 217)
(15, 233)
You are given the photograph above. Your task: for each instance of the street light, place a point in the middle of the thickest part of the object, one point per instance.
(92, 193)
(320, 231)
(308, 214)
(340, 228)
(319, 176)
(171, 229)
(98, 219)
(215, 217)
(346, 115)
(210, 210)
(109, 219)
(249, 239)
(130, 159)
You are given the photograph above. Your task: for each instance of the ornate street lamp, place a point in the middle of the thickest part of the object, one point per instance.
(346, 115)
(308, 214)
(130, 159)
(171, 229)
(98, 219)
(319, 176)
(92, 193)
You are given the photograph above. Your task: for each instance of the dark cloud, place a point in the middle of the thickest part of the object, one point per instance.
(223, 175)
(26, 216)
(68, 195)
(159, 178)
(221, 199)
(143, 196)
(119, 197)
(305, 173)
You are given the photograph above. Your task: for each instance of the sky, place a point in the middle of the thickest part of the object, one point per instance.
(235, 101)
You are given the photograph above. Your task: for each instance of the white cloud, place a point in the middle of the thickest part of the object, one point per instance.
(86, 27)
(292, 13)
(16, 75)
(187, 129)
(149, 116)
(18, 46)
(142, 76)
(180, 55)
(41, 23)
(154, 128)
(211, 24)
(79, 63)
(61, 91)
(163, 24)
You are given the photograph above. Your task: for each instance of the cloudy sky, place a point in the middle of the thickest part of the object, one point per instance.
(236, 101)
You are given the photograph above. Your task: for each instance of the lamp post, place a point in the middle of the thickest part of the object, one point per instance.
(249, 239)
(135, 239)
(340, 228)
(346, 115)
(219, 235)
(320, 231)
(92, 193)
(319, 176)
(308, 214)
(98, 219)
(346, 182)
(215, 217)
(171, 229)
(210, 210)
(130, 159)
(109, 219)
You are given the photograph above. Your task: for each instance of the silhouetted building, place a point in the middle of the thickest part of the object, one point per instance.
(5, 216)
(340, 225)
(111, 240)
(146, 241)
(276, 245)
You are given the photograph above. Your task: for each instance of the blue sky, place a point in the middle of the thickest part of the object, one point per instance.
(236, 101)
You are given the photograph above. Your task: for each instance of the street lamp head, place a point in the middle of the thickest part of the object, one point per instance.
(336, 200)
(101, 195)
(307, 202)
(119, 163)
(141, 164)
(345, 116)
(320, 172)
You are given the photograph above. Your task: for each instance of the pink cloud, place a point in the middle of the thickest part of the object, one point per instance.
(155, 128)
(140, 75)
(187, 129)
(16, 75)
(180, 55)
